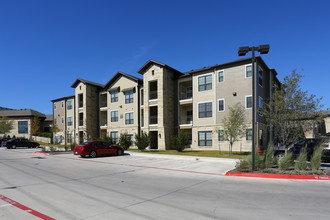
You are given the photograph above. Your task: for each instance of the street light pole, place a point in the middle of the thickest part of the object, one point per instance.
(242, 51)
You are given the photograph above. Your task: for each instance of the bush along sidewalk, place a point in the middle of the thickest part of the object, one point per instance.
(268, 163)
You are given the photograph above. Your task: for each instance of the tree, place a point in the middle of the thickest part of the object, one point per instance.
(35, 126)
(290, 110)
(125, 140)
(180, 142)
(234, 125)
(142, 141)
(6, 125)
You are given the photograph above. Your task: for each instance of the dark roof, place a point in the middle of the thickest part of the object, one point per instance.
(74, 85)
(3, 108)
(118, 75)
(21, 113)
(228, 64)
(150, 62)
(63, 98)
(49, 118)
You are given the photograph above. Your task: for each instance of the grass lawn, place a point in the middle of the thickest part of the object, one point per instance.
(223, 154)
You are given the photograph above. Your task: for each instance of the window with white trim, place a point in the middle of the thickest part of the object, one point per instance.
(114, 116)
(114, 96)
(129, 97)
(248, 71)
(70, 121)
(69, 104)
(129, 118)
(205, 82)
(205, 110)
(248, 102)
(114, 136)
(205, 138)
(220, 76)
(221, 105)
(221, 135)
(248, 134)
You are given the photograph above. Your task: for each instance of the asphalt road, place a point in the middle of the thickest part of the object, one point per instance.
(143, 186)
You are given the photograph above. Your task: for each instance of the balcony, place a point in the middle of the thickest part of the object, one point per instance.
(153, 95)
(153, 117)
(185, 92)
(153, 120)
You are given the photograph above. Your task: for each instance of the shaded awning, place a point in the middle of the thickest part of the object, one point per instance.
(114, 89)
(131, 89)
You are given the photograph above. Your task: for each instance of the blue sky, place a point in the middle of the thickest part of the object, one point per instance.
(46, 45)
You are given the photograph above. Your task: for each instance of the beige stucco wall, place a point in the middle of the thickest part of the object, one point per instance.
(122, 108)
(327, 124)
(14, 131)
(166, 98)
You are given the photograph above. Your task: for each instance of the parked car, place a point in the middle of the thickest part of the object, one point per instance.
(326, 152)
(2, 140)
(19, 142)
(97, 148)
(310, 144)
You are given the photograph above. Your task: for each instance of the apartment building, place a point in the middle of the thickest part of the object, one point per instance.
(166, 101)
(87, 110)
(64, 118)
(119, 106)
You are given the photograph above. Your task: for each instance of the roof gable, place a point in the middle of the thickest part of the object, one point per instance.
(75, 84)
(143, 69)
(121, 74)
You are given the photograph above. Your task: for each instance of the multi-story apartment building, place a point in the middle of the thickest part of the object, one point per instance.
(64, 118)
(167, 101)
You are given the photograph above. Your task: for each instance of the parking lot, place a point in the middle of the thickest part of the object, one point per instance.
(145, 186)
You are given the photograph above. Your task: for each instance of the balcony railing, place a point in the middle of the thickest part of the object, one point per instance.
(153, 95)
(185, 95)
(103, 123)
(103, 104)
(153, 120)
(80, 104)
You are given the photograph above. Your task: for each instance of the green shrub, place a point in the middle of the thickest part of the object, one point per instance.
(258, 163)
(142, 141)
(316, 159)
(107, 138)
(301, 162)
(269, 156)
(242, 165)
(285, 162)
(125, 140)
(180, 142)
(46, 134)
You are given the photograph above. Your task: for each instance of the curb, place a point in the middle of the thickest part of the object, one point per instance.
(280, 176)
(41, 153)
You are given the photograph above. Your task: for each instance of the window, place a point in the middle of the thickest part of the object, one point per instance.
(248, 71)
(114, 96)
(205, 83)
(221, 135)
(80, 101)
(69, 104)
(260, 75)
(55, 121)
(248, 101)
(248, 134)
(205, 138)
(221, 105)
(54, 105)
(23, 127)
(62, 119)
(205, 110)
(62, 104)
(220, 76)
(114, 116)
(129, 97)
(69, 138)
(114, 136)
(129, 118)
(153, 72)
(70, 121)
(260, 102)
